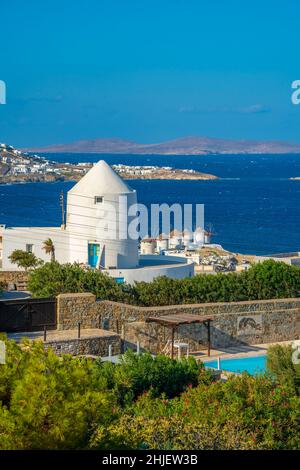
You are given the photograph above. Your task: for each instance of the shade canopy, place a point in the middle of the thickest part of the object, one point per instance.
(179, 319)
(175, 320)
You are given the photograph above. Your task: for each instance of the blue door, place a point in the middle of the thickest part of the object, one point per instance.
(94, 253)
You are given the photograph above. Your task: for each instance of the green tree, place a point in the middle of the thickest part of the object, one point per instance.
(49, 248)
(24, 259)
(47, 402)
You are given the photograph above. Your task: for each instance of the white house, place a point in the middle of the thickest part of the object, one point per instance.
(96, 233)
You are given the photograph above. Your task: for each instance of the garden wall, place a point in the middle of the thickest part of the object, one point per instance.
(95, 346)
(13, 277)
(251, 322)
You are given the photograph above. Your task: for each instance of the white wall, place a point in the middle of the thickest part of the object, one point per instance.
(88, 222)
(147, 274)
(17, 238)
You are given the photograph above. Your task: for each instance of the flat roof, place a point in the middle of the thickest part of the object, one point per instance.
(179, 319)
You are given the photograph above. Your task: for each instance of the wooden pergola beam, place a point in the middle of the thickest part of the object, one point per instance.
(175, 320)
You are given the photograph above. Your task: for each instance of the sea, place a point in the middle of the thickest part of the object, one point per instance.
(253, 208)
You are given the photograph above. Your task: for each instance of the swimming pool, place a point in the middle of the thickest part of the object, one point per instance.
(253, 365)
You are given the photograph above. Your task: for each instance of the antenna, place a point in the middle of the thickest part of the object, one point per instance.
(62, 205)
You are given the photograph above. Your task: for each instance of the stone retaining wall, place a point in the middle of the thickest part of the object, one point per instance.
(233, 323)
(95, 346)
(13, 277)
(72, 308)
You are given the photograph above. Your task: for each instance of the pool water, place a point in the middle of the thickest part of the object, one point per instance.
(252, 365)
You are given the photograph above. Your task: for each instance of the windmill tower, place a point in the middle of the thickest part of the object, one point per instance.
(208, 233)
(97, 220)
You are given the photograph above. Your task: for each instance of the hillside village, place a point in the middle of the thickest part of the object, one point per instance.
(18, 166)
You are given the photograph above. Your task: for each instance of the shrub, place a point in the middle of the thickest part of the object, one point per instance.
(47, 402)
(138, 373)
(243, 413)
(265, 280)
(281, 365)
(53, 278)
(50, 402)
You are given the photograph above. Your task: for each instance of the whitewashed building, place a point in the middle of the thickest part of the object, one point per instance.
(95, 233)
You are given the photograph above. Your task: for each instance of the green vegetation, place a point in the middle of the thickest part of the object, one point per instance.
(243, 413)
(158, 375)
(53, 278)
(47, 402)
(267, 280)
(24, 259)
(280, 363)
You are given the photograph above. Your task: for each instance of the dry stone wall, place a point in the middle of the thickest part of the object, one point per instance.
(95, 346)
(8, 278)
(233, 323)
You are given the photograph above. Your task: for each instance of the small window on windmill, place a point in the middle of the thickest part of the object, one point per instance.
(98, 199)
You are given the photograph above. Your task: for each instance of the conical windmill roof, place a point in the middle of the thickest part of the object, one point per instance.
(100, 179)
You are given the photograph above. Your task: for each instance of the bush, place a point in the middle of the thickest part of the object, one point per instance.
(53, 278)
(243, 413)
(50, 402)
(47, 402)
(265, 280)
(281, 365)
(137, 374)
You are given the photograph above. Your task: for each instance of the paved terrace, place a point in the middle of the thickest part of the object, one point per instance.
(92, 342)
(54, 336)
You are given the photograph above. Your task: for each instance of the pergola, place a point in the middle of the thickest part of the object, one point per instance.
(176, 320)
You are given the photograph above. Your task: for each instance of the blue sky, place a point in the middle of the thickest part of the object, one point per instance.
(148, 70)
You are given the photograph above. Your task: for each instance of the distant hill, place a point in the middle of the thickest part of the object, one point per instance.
(182, 146)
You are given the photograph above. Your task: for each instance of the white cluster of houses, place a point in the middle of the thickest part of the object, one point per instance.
(24, 164)
(138, 170)
(9, 148)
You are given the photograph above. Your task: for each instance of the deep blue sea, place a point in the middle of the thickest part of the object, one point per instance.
(253, 208)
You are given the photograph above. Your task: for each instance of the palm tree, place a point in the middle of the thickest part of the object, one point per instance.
(49, 248)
